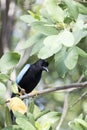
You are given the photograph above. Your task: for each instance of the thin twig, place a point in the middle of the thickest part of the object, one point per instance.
(79, 80)
(79, 99)
(65, 108)
(81, 96)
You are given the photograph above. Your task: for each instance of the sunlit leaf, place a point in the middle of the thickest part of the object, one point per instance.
(54, 10)
(81, 52)
(13, 127)
(31, 106)
(75, 126)
(2, 100)
(82, 122)
(78, 123)
(47, 120)
(51, 46)
(31, 118)
(27, 19)
(4, 77)
(2, 89)
(82, 9)
(37, 47)
(9, 60)
(66, 38)
(71, 59)
(44, 28)
(32, 40)
(59, 63)
(14, 87)
(8, 117)
(79, 29)
(25, 124)
(16, 104)
(36, 16)
(72, 8)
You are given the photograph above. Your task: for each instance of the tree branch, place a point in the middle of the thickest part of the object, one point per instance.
(7, 8)
(79, 99)
(65, 87)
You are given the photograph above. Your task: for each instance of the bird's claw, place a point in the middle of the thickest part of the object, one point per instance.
(22, 92)
(35, 92)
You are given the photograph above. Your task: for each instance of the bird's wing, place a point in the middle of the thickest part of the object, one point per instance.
(21, 74)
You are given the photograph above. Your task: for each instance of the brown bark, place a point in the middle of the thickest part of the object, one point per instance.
(7, 17)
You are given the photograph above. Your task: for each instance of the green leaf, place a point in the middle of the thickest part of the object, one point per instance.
(19, 115)
(51, 46)
(44, 28)
(2, 100)
(82, 9)
(2, 89)
(71, 59)
(14, 87)
(31, 106)
(25, 124)
(36, 111)
(59, 63)
(79, 29)
(4, 77)
(81, 52)
(41, 114)
(75, 125)
(8, 117)
(82, 122)
(47, 120)
(37, 47)
(32, 40)
(31, 118)
(78, 123)
(9, 60)
(54, 10)
(13, 127)
(27, 19)
(72, 8)
(8, 128)
(66, 38)
(2, 116)
(33, 14)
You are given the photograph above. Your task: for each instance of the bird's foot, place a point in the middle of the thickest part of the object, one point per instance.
(35, 92)
(22, 92)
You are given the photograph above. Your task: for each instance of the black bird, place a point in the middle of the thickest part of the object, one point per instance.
(30, 75)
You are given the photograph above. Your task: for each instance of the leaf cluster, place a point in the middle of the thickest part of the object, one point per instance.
(60, 29)
(59, 34)
(34, 119)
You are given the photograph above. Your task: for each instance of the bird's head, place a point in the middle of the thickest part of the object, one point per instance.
(43, 64)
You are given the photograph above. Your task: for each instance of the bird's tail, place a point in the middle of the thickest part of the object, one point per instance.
(12, 115)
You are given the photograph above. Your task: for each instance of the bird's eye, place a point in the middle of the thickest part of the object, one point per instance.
(45, 64)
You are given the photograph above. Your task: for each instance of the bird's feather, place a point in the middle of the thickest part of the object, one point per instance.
(21, 74)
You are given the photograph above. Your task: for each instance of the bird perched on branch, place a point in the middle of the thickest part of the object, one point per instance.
(30, 75)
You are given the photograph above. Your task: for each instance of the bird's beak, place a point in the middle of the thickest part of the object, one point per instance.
(45, 68)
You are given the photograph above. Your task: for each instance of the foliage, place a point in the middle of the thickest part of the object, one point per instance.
(31, 120)
(79, 123)
(59, 34)
(60, 28)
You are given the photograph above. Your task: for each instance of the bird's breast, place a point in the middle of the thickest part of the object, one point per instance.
(29, 81)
